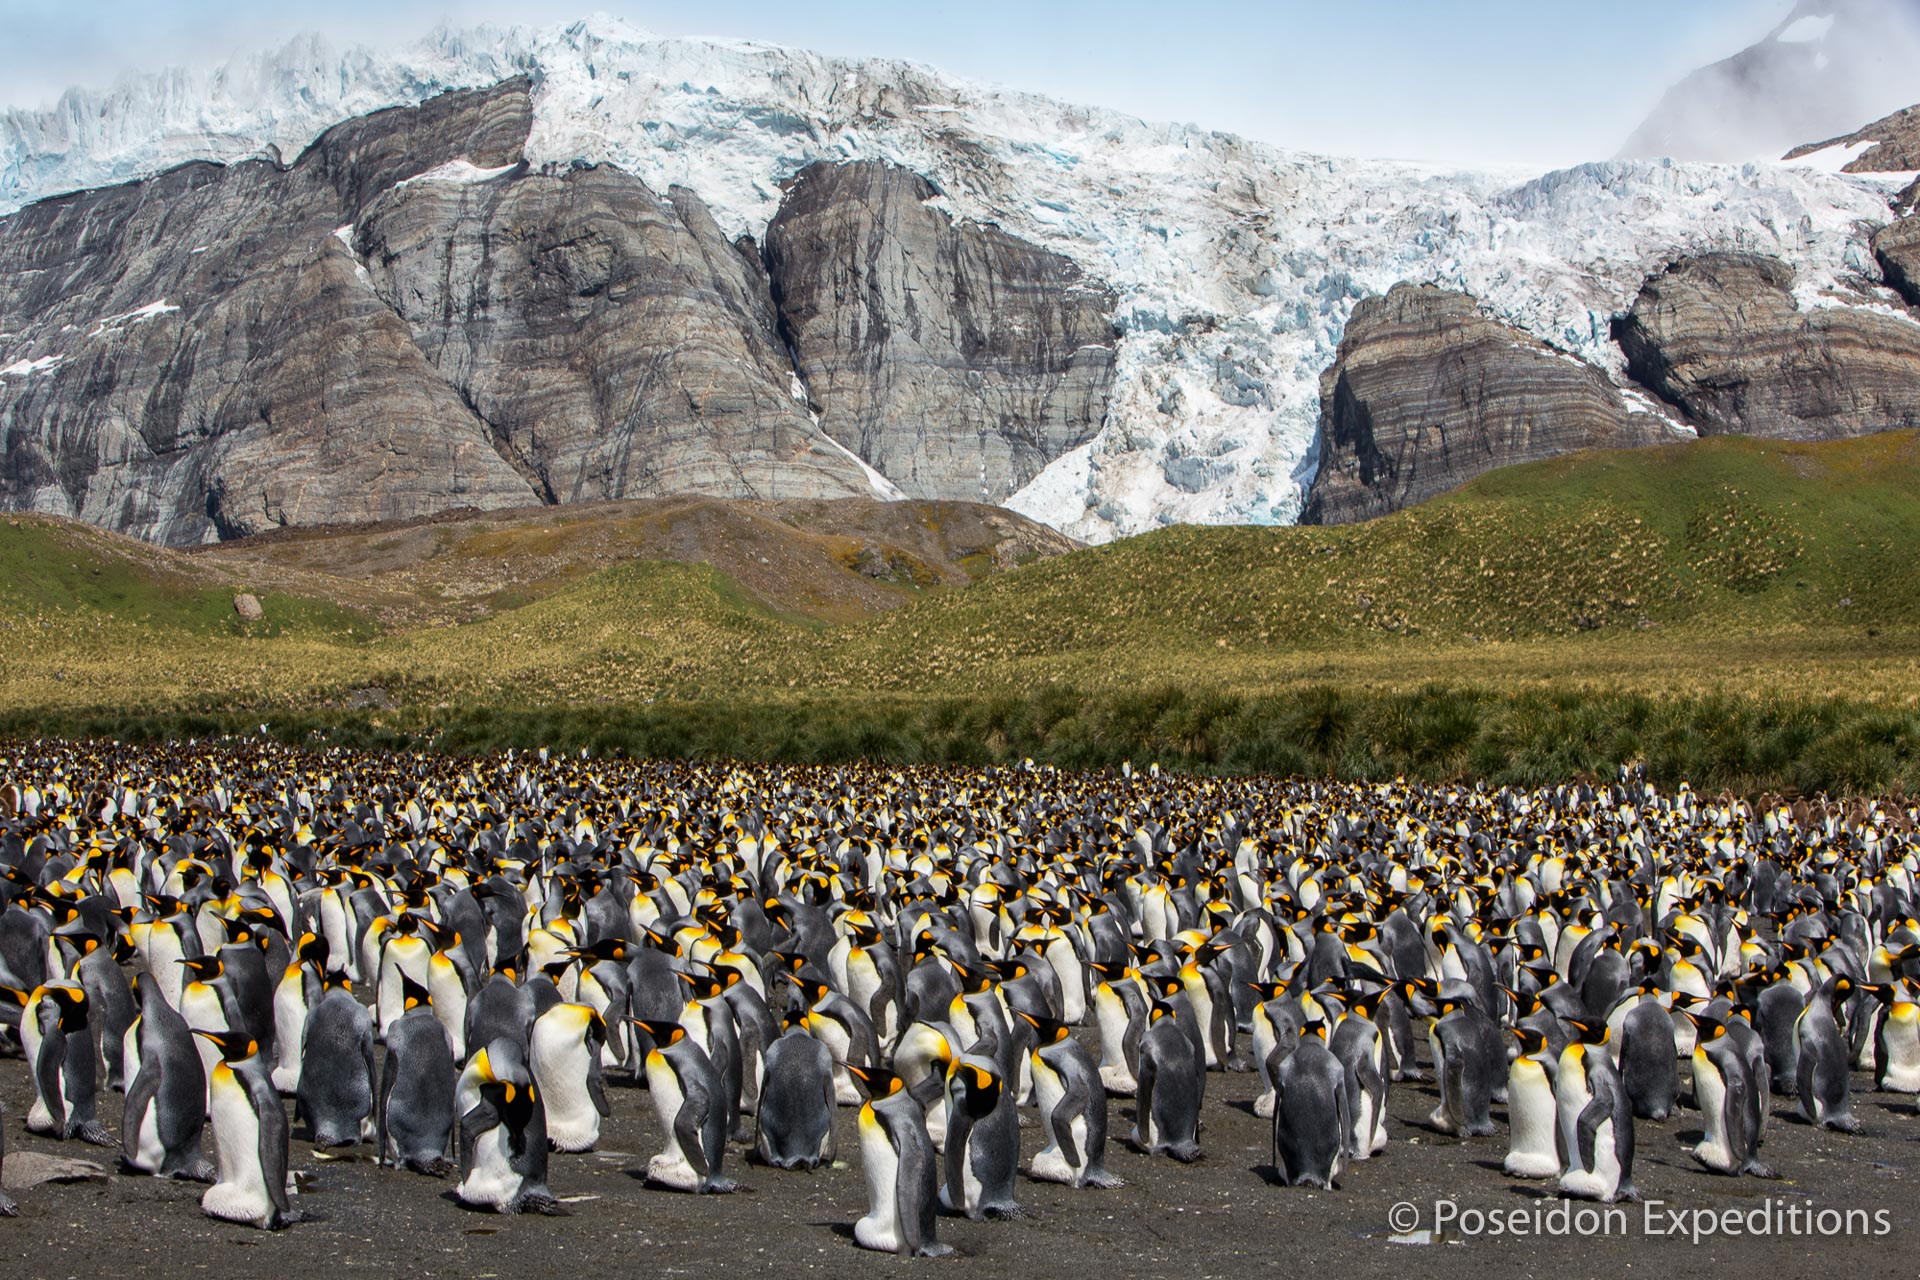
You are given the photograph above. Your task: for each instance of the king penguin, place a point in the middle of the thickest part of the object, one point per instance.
(1825, 1084)
(983, 1140)
(1170, 1079)
(58, 1038)
(794, 1122)
(1073, 1110)
(564, 1056)
(167, 1095)
(897, 1159)
(1726, 1093)
(1596, 1120)
(336, 1068)
(686, 1098)
(249, 1136)
(1533, 1149)
(1312, 1119)
(418, 1080)
(503, 1134)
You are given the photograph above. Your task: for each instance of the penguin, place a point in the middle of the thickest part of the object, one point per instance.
(418, 1082)
(293, 995)
(249, 1138)
(1825, 1083)
(983, 1140)
(1073, 1110)
(1120, 1012)
(1469, 1063)
(1725, 1092)
(110, 1003)
(1277, 1019)
(897, 1160)
(686, 1098)
(1170, 1076)
(58, 1039)
(503, 1134)
(1596, 1120)
(1777, 1012)
(848, 1034)
(1647, 1056)
(166, 1107)
(1533, 1144)
(564, 1056)
(1362, 1052)
(1897, 1048)
(1312, 1119)
(793, 1126)
(336, 1068)
(502, 1009)
(203, 1004)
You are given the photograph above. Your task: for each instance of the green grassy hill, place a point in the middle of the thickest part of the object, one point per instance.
(1732, 609)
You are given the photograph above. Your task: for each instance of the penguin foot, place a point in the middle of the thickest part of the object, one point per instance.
(438, 1167)
(1004, 1212)
(8, 1209)
(95, 1134)
(1240, 1063)
(204, 1171)
(1843, 1124)
(1185, 1152)
(722, 1187)
(543, 1203)
(1101, 1180)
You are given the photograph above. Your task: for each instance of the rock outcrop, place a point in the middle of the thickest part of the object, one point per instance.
(1428, 392)
(1896, 247)
(614, 342)
(1720, 337)
(1892, 145)
(956, 359)
(201, 358)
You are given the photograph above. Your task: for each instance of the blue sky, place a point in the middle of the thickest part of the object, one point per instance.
(1460, 80)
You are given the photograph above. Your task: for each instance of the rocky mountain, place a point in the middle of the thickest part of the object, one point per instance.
(1827, 66)
(664, 264)
(1890, 144)
(1722, 339)
(1428, 393)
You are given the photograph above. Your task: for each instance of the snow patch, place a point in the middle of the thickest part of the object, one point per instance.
(883, 488)
(1807, 30)
(126, 319)
(27, 368)
(458, 171)
(1833, 159)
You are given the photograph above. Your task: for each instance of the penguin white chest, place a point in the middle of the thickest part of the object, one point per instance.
(1710, 1094)
(492, 1181)
(241, 1194)
(671, 1167)
(880, 1228)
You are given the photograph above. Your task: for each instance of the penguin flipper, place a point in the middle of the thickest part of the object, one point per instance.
(46, 1071)
(273, 1147)
(689, 1123)
(1144, 1073)
(477, 1121)
(597, 1084)
(140, 1095)
(1072, 1102)
(1598, 1111)
(389, 1073)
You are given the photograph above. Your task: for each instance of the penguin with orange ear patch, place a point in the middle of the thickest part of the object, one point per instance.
(1073, 1109)
(503, 1133)
(983, 1140)
(686, 1093)
(58, 1036)
(249, 1137)
(1312, 1115)
(1171, 1080)
(897, 1158)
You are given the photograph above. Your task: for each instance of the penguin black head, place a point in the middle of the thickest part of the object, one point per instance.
(412, 994)
(313, 950)
(336, 982)
(1531, 1041)
(605, 949)
(981, 1087)
(234, 1046)
(203, 968)
(664, 1034)
(1590, 1032)
(71, 1003)
(793, 1019)
(705, 986)
(878, 1081)
(1048, 1030)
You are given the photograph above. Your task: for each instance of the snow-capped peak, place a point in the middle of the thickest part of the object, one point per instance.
(1236, 264)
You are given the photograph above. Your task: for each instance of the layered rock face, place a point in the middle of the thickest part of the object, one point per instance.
(1428, 392)
(1720, 338)
(1892, 145)
(204, 360)
(615, 342)
(956, 359)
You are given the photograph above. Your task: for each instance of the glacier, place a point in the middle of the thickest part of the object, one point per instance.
(1236, 263)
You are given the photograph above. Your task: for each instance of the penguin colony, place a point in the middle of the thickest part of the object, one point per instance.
(450, 960)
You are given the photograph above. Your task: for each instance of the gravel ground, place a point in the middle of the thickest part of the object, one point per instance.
(1220, 1217)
